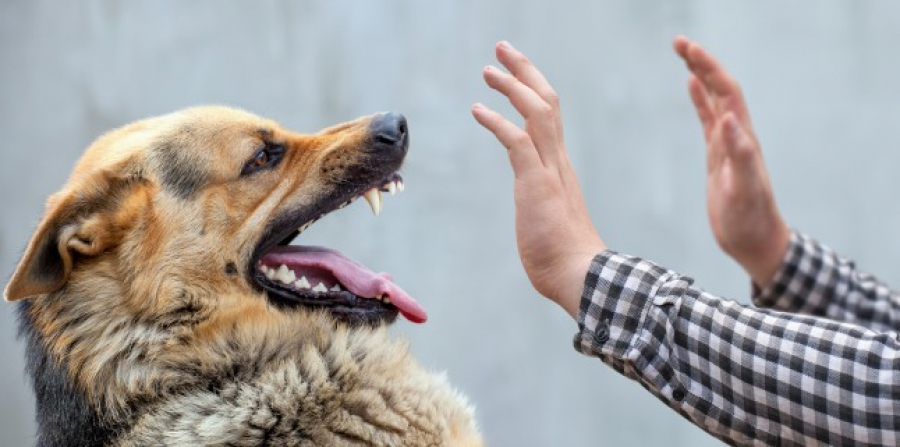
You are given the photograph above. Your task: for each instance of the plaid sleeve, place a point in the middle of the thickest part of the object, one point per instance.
(747, 376)
(814, 280)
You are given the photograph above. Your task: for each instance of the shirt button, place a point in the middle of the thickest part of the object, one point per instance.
(678, 394)
(602, 334)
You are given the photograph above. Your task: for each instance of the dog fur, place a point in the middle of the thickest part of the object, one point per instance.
(141, 324)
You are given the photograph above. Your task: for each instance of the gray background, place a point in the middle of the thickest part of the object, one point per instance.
(821, 78)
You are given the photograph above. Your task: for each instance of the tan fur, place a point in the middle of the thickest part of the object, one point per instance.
(130, 290)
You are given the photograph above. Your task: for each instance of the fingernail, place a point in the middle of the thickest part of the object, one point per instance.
(505, 45)
(478, 106)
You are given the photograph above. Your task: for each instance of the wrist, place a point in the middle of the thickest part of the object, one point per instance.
(764, 263)
(568, 294)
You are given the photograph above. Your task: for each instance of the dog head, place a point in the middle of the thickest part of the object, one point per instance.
(196, 209)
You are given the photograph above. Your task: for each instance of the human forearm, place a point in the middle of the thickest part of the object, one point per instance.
(813, 279)
(747, 376)
(764, 259)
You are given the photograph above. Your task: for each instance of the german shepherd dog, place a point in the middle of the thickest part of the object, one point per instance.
(162, 305)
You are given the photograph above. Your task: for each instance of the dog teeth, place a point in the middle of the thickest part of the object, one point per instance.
(385, 300)
(392, 187)
(373, 196)
(285, 275)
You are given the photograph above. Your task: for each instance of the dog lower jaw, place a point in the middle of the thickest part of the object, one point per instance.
(344, 306)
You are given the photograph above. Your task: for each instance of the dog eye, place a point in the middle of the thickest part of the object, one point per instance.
(266, 157)
(262, 159)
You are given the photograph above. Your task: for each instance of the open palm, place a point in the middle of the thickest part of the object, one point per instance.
(742, 211)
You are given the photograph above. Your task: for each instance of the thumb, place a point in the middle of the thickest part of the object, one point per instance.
(739, 145)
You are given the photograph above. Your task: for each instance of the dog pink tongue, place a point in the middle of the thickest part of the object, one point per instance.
(354, 276)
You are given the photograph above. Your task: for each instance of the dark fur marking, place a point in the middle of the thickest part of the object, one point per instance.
(188, 313)
(231, 268)
(269, 432)
(48, 266)
(178, 175)
(63, 414)
(73, 322)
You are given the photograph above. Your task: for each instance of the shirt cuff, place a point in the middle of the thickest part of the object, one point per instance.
(618, 292)
(803, 260)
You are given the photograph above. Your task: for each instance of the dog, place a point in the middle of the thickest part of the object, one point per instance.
(162, 304)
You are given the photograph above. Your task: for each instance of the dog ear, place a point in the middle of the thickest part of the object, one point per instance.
(74, 227)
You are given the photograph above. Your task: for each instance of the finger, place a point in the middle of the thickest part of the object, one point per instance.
(723, 88)
(709, 70)
(732, 144)
(521, 67)
(740, 146)
(522, 154)
(717, 146)
(700, 98)
(749, 178)
(540, 117)
(681, 45)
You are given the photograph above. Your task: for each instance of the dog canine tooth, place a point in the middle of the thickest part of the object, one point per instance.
(400, 186)
(373, 196)
(320, 288)
(392, 188)
(386, 300)
(336, 288)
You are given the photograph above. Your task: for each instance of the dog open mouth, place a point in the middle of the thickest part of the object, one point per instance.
(323, 278)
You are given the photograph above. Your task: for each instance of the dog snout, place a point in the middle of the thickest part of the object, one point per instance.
(390, 131)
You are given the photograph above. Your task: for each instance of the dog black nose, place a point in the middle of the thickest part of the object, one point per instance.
(389, 129)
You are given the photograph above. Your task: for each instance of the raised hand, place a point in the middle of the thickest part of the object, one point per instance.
(554, 233)
(741, 206)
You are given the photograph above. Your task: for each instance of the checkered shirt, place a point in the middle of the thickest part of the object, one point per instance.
(817, 362)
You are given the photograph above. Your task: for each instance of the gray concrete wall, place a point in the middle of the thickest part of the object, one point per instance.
(821, 78)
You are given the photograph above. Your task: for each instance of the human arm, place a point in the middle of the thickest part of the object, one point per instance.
(814, 280)
(790, 271)
(747, 376)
